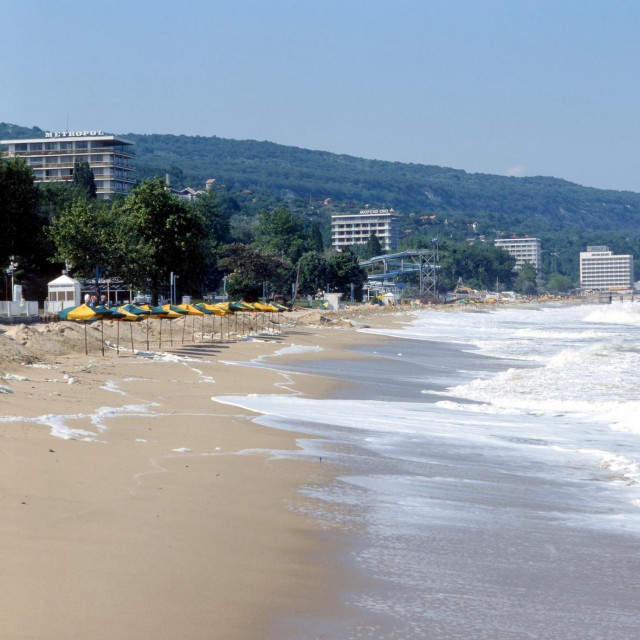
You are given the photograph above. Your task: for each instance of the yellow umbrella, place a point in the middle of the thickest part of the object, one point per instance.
(85, 314)
(161, 313)
(216, 310)
(123, 315)
(175, 309)
(191, 311)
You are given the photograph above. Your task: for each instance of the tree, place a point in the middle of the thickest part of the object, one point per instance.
(159, 234)
(85, 235)
(242, 229)
(345, 271)
(249, 268)
(83, 178)
(374, 248)
(316, 242)
(20, 224)
(314, 273)
(281, 232)
(558, 283)
(479, 266)
(218, 230)
(525, 281)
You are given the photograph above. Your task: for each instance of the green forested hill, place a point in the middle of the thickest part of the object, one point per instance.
(290, 171)
(497, 204)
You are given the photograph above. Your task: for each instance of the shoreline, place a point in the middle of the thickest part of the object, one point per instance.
(178, 518)
(184, 516)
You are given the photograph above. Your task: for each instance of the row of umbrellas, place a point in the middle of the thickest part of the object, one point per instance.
(133, 313)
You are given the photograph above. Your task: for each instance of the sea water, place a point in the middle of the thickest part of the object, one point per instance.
(492, 467)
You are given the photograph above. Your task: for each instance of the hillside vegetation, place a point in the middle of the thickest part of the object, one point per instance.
(432, 200)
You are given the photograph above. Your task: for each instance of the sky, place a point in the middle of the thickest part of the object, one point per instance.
(508, 87)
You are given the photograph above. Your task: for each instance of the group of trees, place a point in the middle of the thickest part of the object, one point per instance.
(143, 237)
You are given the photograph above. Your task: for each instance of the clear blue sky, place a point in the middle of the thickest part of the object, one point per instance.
(513, 87)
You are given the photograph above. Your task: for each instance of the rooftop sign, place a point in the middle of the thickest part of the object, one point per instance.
(377, 211)
(72, 134)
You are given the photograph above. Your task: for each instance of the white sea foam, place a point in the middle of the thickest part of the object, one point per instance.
(581, 395)
(111, 385)
(295, 349)
(15, 378)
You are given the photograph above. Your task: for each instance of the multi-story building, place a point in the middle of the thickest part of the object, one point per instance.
(522, 249)
(347, 229)
(51, 158)
(600, 269)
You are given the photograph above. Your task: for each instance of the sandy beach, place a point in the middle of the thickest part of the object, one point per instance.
(133, 506)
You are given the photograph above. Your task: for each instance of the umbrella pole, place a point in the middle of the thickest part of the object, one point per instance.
(118, 339)
(243, 324)
(102, 335)
(86, 351)
(147, 333)
(131, 327)
(236, 315)
(171, 333)
(202, 336)
(160, 341)
(184, 326)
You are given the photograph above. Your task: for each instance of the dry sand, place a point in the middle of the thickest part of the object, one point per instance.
(170, 517)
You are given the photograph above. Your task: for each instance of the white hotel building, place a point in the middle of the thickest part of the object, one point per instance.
(356, 228)
(600, 269)
(51, 158)
(522, 249)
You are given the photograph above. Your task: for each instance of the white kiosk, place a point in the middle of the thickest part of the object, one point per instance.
(63, 292)
(334, 300)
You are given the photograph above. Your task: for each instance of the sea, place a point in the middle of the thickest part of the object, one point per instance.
(488, 474)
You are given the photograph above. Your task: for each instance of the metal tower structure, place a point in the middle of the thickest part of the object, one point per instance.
(397, 267)
(429, 270)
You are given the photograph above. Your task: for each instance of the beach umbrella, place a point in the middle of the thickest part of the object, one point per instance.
(216, 310)
(242, 307)
(280, 309)
(239, 308)
(207, 312)
(85, 314)
(122, 315)
(179, 311)
(138, 311)
(162, 313)
(191, 311)
(264, 308)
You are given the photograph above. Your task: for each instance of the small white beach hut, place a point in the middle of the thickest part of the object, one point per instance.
(63, 292)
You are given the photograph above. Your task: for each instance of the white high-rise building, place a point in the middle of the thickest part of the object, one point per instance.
(600, 269)
(51, 158)
(522, 249)
(356, 228)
